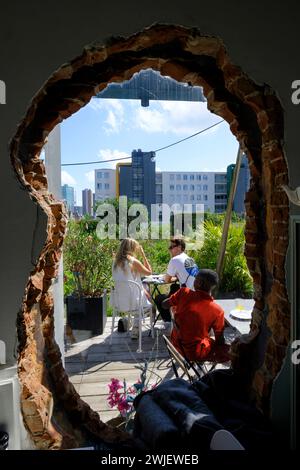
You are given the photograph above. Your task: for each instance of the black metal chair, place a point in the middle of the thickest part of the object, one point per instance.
(192, 370)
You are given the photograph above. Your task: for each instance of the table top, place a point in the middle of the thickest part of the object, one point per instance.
(243, 326)
(155, 279)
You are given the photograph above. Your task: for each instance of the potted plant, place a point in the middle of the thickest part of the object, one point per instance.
(87, 275)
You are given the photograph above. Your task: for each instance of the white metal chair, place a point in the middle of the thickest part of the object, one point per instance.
(131, 304)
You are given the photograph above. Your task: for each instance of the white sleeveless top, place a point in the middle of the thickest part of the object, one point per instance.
(125, 297)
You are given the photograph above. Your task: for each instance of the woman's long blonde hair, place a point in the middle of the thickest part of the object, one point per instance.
(127, 247)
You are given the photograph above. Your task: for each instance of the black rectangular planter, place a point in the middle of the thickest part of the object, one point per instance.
(87, 313)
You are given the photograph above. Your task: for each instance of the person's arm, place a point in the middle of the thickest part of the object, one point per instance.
(171, 272)
(218, 328)
(168, 279)
(145, 260)
(172, 301)
(140, 268)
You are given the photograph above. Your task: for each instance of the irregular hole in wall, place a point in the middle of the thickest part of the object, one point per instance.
(53, 412)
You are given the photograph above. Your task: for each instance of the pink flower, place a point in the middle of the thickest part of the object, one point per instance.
(114, 385)
(123, 406)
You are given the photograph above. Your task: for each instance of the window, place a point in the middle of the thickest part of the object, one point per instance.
(106, 186)
(99, 174)
(185, 197)
(185, 187)
(106, 175)
(178, 187)
(192, 197)
(205, 177)
(178, 177)
(205, 187)
(192, 177)
(172, 177)
(185, 177)
(220, 178)
(198, 187)
(205, 197)
(192, 187)
(198, 197)
(172, 187)
(198, 177)
(99, 185)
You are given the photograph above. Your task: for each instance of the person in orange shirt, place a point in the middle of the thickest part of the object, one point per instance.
(195, 314)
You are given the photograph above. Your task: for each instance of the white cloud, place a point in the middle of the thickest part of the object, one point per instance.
(66, 178)
(113, 112)
(108, 154)
(90, 176)
(178, 117)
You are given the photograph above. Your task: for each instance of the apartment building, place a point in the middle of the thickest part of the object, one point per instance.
(105, 184)
(175, 187)
(207, 188)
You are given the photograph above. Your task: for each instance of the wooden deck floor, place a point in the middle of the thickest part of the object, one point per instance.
(91, 362)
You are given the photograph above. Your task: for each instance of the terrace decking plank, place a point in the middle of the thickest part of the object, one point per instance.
(92, 362)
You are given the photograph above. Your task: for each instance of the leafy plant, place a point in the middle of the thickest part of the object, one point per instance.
(87, 260)
(235, 276)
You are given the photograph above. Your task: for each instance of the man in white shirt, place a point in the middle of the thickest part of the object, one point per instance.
(181, 268)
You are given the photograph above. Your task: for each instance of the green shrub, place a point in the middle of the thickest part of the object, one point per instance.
(87, 260)
(235, 276)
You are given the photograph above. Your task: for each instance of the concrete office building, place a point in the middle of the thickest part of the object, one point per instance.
(208, 188)
(136, 180)
(105, 184)
(87, 202)
(242, 185)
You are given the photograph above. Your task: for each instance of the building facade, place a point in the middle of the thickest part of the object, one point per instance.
(105, 184)
(207, 188)
(87, 202)
(68, 196)
(242, 185)
(140, 183)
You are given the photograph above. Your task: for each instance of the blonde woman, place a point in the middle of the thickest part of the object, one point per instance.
(126, 267)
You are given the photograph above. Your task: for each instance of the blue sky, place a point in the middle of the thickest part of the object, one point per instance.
(112, 128)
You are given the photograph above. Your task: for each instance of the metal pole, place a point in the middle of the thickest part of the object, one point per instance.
(220, 262)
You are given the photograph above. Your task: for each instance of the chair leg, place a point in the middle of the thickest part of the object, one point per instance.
(152, 322)
(112, 325)
(140, 333)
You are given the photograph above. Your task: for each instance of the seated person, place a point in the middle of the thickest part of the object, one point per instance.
(127, 267)
(195, 314)
(181, 268)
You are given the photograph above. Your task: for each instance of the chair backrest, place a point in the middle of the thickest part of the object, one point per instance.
(126, 296)
(180, 361)
(224, 440)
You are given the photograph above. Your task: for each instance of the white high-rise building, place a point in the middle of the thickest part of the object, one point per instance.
(207, 188)
(105, 184)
